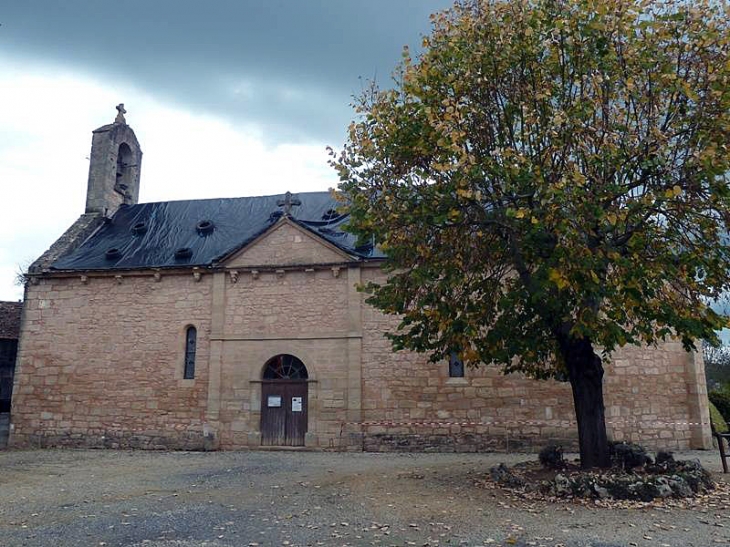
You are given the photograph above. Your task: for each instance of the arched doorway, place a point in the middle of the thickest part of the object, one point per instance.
(284, 402)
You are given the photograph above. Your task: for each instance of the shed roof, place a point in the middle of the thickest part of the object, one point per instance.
(10, 320)
(175, 233)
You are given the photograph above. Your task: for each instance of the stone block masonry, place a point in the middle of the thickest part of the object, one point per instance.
(101, 363)
(651, 397)
(10, 320)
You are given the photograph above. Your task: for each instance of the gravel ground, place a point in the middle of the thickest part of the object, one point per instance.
(282, 498)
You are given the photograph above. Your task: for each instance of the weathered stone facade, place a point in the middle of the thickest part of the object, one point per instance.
(114, 169)
(102, 359)
(655, 396)
(103, 351)
(10, 313)
(100, 365)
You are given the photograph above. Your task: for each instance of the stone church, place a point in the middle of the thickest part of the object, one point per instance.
(235, 323)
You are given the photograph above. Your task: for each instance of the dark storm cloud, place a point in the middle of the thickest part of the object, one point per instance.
(291, 66)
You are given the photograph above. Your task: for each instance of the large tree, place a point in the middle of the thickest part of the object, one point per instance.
(548, 179)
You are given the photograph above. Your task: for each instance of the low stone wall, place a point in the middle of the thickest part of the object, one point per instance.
(459, 442)
(149, 440)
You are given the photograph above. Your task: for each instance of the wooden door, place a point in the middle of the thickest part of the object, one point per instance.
(283, 412)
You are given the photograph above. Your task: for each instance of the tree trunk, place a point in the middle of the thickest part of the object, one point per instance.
(586, 378)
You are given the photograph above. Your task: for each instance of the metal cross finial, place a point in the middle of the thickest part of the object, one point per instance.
(288, 202)
(120, 114)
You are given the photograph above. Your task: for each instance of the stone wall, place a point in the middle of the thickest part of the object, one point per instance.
(10, 320)
(101, 363)
(657, 397)
(102, 356)
(409, 403)
(287, 244)
(301, 313)
(286, 305)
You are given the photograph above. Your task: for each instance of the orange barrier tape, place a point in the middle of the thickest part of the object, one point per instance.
(557, 423)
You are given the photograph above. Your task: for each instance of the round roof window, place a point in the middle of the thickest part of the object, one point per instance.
(205, 227)
(139, 228)
(183, 253)
(113, 254)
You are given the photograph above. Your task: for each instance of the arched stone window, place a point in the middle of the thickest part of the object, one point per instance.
(285, 367)
(191, 336)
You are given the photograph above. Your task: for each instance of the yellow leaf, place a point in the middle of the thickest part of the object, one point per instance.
(558, 278)
(520, 213)
(534, 220)
(677, 190)
(579, 178)
(611, 217)
(469, 354)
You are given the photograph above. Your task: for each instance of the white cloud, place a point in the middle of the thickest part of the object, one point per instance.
(47, 119)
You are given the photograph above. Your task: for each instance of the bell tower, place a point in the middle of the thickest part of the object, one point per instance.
(114, 169)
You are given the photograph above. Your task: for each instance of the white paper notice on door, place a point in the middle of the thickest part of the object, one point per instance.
(274, 401)
(296, 404)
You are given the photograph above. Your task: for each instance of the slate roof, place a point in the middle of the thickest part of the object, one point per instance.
(10, 320)
(173, 234)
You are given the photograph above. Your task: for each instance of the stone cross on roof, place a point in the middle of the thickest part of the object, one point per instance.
(120, 114)
(288, 202)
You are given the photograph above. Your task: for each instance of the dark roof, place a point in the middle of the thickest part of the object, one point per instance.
(150, 235)
(10, 319)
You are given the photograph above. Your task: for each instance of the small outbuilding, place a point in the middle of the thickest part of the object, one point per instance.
(10, 313)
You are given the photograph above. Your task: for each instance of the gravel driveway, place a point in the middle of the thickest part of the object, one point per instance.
(281, 498)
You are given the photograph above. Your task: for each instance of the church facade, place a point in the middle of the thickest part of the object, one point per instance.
(237, 323)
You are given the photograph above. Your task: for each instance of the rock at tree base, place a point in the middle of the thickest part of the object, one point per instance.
(628, 455)
(634, 477)
(671, 479)
(501, 474)
(664, 457)
(551, 457)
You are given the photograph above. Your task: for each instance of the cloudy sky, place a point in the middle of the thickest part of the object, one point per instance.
(227, 98)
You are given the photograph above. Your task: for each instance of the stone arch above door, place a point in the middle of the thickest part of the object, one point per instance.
(284, 366)
(266, 350)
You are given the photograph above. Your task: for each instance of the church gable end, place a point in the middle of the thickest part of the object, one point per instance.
(286, 244)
